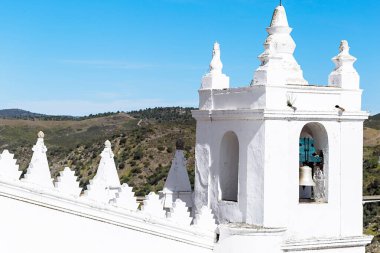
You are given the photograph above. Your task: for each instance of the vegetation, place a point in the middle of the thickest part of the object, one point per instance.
(143, 142)
(373, 122)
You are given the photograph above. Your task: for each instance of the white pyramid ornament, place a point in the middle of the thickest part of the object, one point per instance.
(38, 171)
(8, 166)
(125, 198)
(177, 184)
(153, 206)
(105, 183)
(67, 182)
(205, 219)
(179, 213)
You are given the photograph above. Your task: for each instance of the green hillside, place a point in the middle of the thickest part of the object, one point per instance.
(143, 143)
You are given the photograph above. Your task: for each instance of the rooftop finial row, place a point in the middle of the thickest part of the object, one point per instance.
(278, 66)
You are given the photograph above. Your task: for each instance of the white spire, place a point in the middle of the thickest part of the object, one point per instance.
(177, 184)
(105, 183)
(178, 179)
(344, 75)
(278, 65)
(215, 79)
(38, 171)
(107, 169)
(279, 18)
(216, 64)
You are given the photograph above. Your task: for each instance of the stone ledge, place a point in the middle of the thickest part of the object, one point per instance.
(326, 243)
(261, 114)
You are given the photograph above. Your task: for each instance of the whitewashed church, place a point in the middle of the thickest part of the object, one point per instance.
(278, 169)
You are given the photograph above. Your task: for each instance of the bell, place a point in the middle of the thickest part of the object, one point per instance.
(306, 178)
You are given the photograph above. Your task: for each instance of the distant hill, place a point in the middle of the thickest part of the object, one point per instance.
(373, 122)
(18, 114)
(27, 115)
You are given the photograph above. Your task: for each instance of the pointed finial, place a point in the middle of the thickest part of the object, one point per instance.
(344, 74)
(279, 18)
(216, 64)
(280, 2)
(344, 48)
(215, 79)
(41, 134)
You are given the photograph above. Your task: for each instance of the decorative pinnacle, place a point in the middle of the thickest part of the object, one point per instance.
(216, 64)
(344, 48)
(279, 18)
(107, 143)
(41, 134)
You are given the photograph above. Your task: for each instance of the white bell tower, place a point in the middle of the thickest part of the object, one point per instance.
(252, 141)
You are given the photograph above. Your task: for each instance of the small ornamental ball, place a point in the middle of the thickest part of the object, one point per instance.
(180, 144)
(41, 134)
(107, 144)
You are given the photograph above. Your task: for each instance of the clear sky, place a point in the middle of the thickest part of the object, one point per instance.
(76, 57)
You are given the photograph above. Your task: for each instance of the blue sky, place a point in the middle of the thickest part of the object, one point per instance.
(89, 56)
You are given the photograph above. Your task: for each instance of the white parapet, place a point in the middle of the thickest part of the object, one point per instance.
(8, 167)
(125, 198)
(205, 219)
(153, 206)
(38, 171)
(179, 213)
(67, 182)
